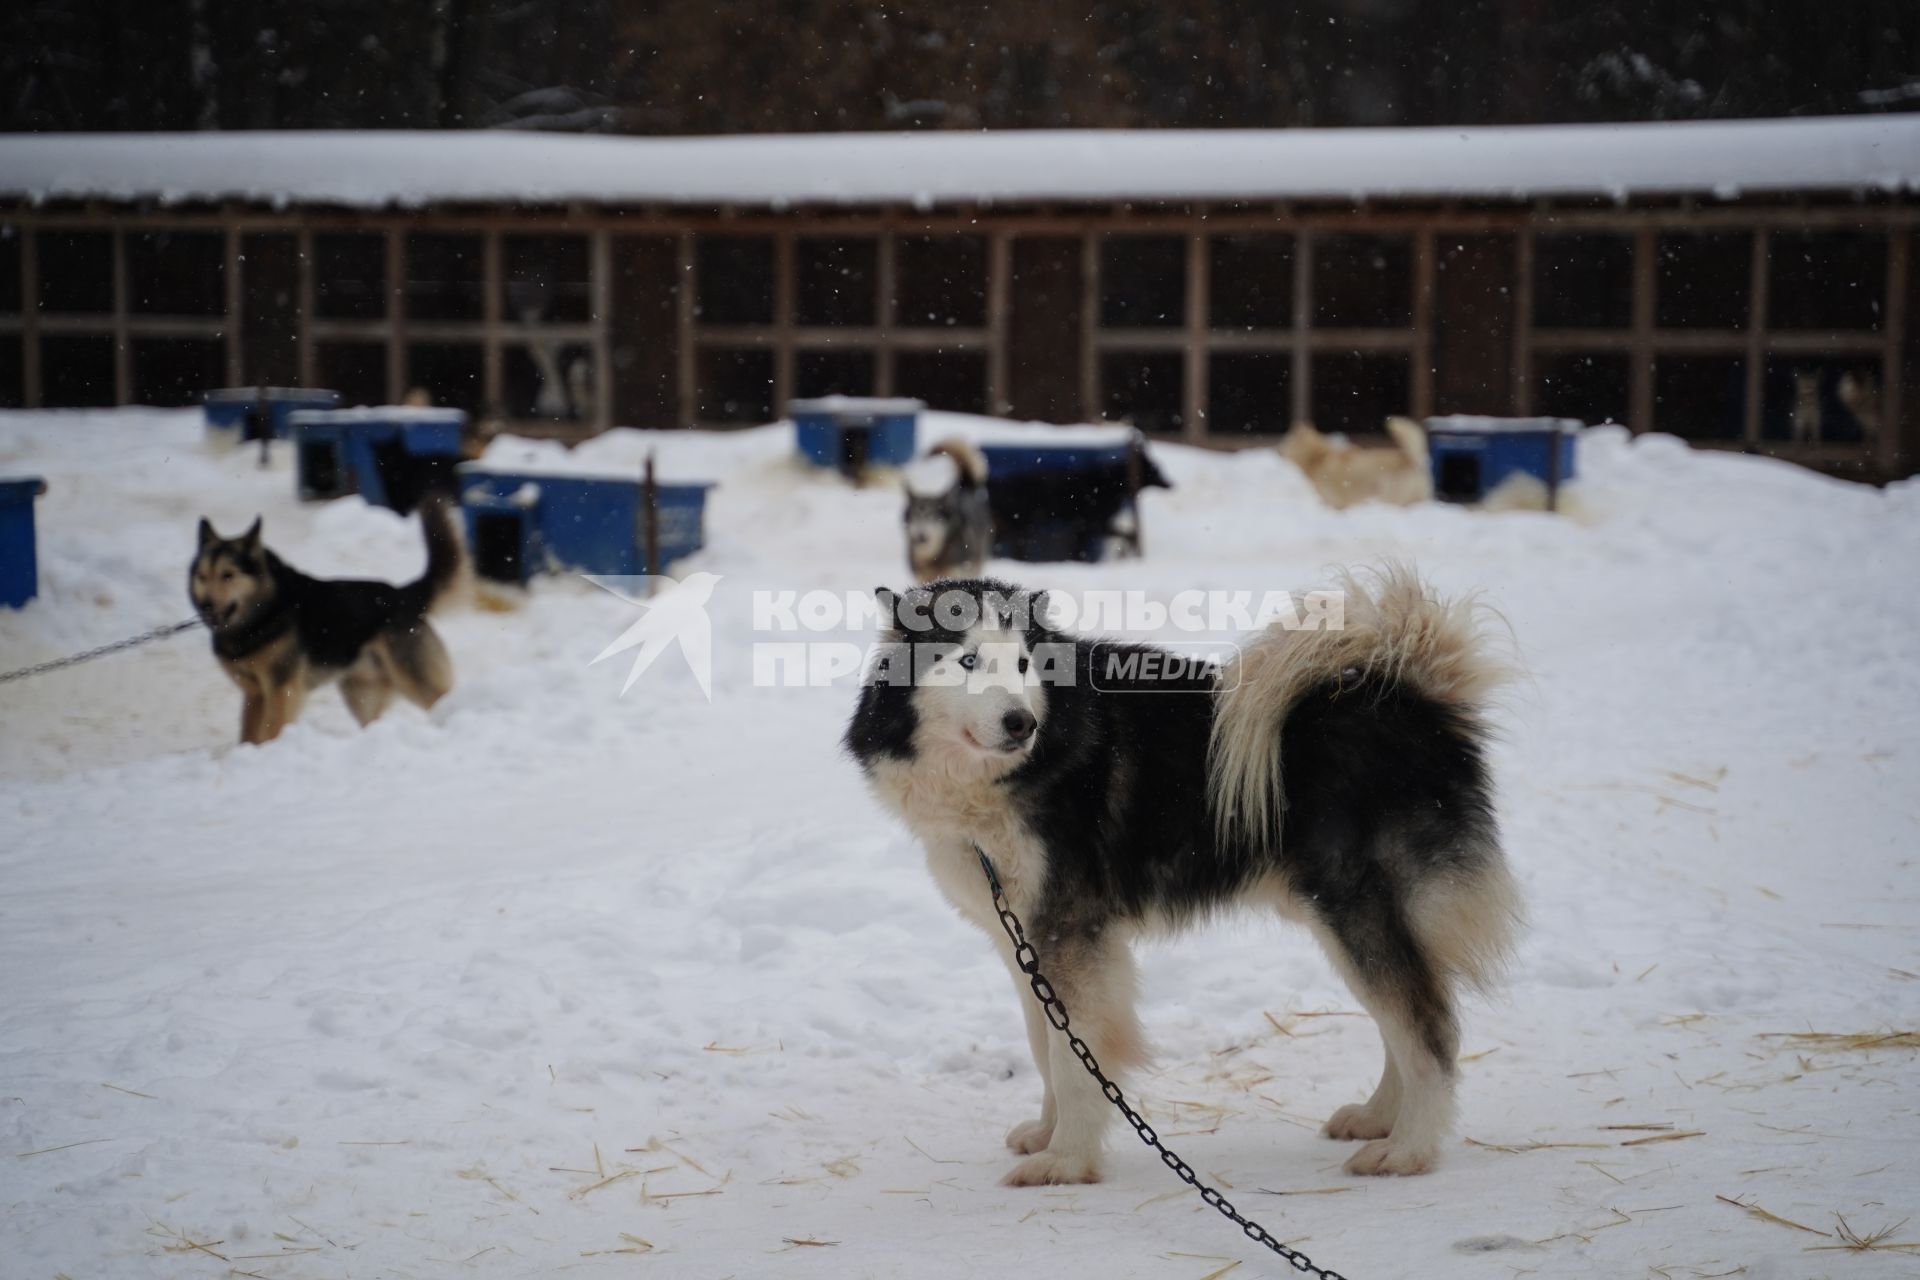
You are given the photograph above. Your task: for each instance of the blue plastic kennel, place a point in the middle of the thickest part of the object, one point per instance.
(389, 455)
(522, 523)
(1471, 456)
(851, 433)
(253, 413)
(19, 549)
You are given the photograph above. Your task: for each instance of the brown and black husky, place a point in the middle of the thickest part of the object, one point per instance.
(279, 633)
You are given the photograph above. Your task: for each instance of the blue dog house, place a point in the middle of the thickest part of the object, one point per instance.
(390, 455)
(19, 550)
(851, 433)
(1471, 456)
(255, 413)
(520, 523)
(1025, 480)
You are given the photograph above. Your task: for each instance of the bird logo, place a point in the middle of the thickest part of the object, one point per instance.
(670, 611)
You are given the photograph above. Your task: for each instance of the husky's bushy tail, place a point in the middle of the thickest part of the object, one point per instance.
(1396, 631)
(1410, 438)
(446, 558)
(967, 460)
(1393, 628)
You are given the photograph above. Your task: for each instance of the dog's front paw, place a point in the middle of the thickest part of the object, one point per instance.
(1387, 1157)
(1030, 1136)
(1052, 1169)
(1357, 1120)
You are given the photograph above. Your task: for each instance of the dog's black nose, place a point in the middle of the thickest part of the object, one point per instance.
(1019, 724)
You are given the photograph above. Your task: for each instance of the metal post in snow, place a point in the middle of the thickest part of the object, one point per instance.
(1553, 467)
(650, 497)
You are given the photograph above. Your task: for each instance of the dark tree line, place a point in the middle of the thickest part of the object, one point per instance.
(716, 66)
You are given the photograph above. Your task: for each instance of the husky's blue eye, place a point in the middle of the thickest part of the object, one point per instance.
(968, 662)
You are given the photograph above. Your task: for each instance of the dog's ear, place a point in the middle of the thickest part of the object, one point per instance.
(207, 536)
(252, 536)
(889, 607)
(1037, 604)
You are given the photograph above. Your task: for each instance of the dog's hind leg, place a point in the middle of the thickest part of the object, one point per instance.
(421, 668)
(1092, 973)
(1409, 996)
(367, 691)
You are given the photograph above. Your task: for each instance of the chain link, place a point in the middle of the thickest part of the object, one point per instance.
(41, 668)
(1028, 961)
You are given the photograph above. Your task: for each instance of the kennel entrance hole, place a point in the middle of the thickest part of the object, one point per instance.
(855, 445)
(1458, 479)
(320, 472)
(500, 547)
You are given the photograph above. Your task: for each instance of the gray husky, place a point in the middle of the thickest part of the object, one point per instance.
(950, 532)
(1336, 777)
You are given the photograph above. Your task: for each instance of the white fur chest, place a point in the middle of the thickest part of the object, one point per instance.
(950, 803)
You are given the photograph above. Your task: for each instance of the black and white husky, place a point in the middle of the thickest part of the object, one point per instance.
(1335, 776)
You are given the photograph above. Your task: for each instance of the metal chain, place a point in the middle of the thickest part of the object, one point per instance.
(41, 668)
(1028, 961)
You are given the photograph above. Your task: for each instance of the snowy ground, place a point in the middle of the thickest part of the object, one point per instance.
(555, 980)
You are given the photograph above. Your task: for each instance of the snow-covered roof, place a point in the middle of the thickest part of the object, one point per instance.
(856, 404)
(373, 169)
(383, 413)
